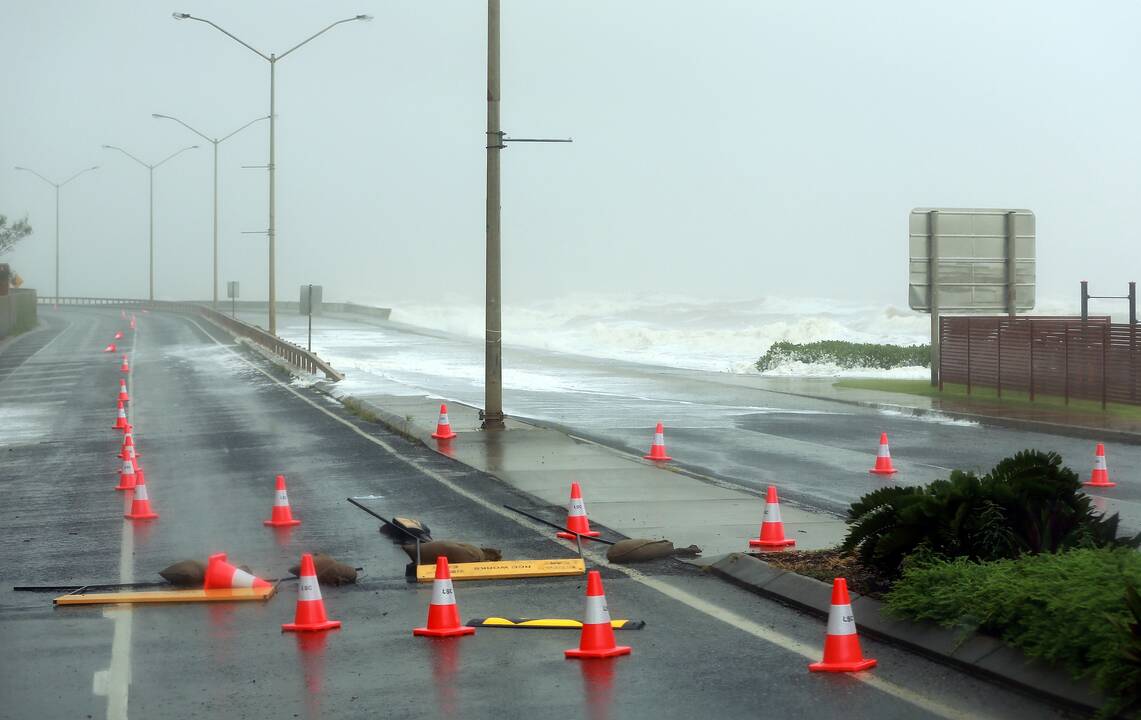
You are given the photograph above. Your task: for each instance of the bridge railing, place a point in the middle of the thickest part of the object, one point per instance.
(290, 352)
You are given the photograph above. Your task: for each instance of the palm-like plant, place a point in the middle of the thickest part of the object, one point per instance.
(1028, 503)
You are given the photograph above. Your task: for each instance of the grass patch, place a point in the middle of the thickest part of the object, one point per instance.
(845, 354)
(357, 408)
(1010, 398)
(1067, 609)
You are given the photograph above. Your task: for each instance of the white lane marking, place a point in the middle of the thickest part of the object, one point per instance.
(703, 606)
(115, 681)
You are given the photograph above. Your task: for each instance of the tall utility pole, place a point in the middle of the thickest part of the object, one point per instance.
(496, 141)
(57, 186)
(272, 59)
(217, 142)
(151, 171)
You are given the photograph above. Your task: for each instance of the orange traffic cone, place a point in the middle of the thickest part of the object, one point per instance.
(121, 419)
(123, 366)
(841, 644)
(443, 426)
(127, 451)
(772, 529)
(221, 575)
(118, 334)
(111, 348)
(597, 640)
(141, 503)
(443, 614)
(658, 449)
(132, 321)
(577, 521)
(310, 615)
(883, 458)
(127, 479)
(1100, 475)
(282, 513)
(123, 396)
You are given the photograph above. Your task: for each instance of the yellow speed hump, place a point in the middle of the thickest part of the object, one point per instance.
(506, 569)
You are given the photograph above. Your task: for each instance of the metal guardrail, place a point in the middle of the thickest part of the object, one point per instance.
(291, 353)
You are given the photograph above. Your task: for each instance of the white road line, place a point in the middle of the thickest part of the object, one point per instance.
(703, 606)
(115, 681)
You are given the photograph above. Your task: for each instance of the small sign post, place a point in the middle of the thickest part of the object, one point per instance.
(232, 293)
(310, 303)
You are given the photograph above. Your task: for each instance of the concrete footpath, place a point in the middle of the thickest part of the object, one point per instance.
(629, 495)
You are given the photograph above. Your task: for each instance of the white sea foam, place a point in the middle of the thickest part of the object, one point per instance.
(716, 335)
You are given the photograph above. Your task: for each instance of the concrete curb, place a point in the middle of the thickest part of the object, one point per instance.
(1079, 431)
(982, 656)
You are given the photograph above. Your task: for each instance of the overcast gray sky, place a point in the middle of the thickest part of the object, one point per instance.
(722, 149)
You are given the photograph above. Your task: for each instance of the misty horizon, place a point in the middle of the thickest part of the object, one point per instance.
(731, 150)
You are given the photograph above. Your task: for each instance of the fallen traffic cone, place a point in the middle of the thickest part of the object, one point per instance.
(658, 449)
(118, 334)
(111, 348)
(443, 426)
(841, 644)
(597, 639)
(221, 575)
(443, 614)
(127, 479)
(1100, 475)
(141, 502)
(772, 529)
(883, 458)
(123, 366)
(121, 419)
(123, 396)
(310, 615)
(577, 521)
(282, 513)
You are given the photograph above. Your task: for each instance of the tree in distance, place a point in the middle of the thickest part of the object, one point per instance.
(10, 234)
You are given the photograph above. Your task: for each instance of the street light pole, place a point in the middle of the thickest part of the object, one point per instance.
(493, 314)
(272, 60)
(57, 186)
(151, 173)
(216, 142)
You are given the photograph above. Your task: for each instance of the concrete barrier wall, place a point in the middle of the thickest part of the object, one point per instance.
(291, 307)
(17, 312)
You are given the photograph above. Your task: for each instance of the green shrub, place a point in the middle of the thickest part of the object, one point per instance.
(846, 354)
(1069, 609)
(1029, 503)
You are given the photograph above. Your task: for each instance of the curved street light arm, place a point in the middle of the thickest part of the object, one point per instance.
(116, 147)
(175, 154)
(196, 132)
(41, 177)
(321, 32)
(88, 169)
(251, 122)
(232, 36)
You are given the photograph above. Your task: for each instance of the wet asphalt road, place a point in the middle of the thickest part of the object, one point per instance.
(213, 430)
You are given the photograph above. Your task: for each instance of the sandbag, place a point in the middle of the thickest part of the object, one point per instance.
(455, 552)
(418, 530)
(635, 550)
(185, 573)
(329, 570)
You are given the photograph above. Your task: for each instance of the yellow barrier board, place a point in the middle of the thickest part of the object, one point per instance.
(506, 569)
(168, 596)
(549, 623)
